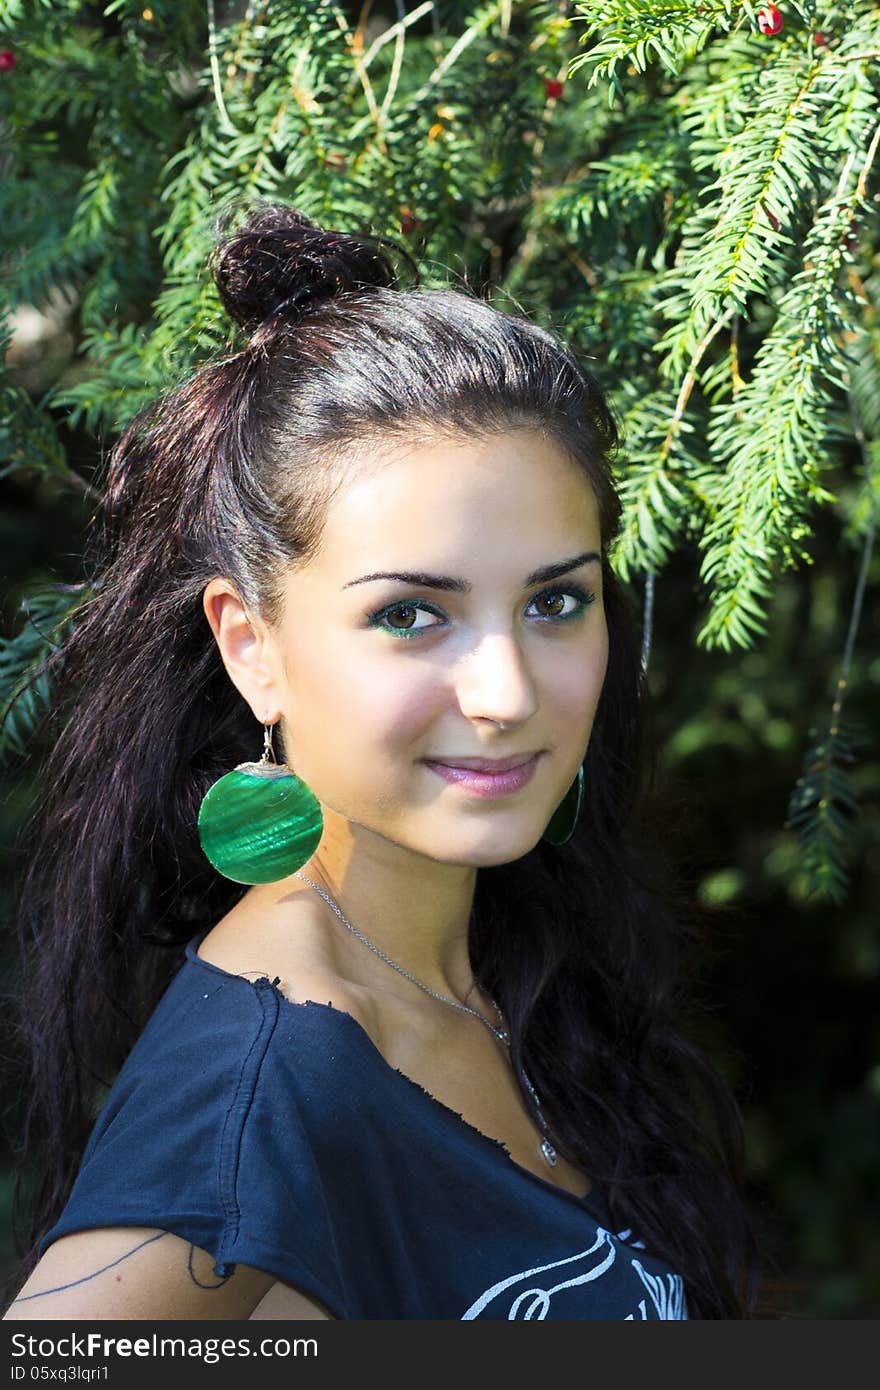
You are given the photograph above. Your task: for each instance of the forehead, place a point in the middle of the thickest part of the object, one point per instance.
(517, 493)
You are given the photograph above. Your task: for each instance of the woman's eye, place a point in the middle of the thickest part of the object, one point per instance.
(556, 599)
(407, 613)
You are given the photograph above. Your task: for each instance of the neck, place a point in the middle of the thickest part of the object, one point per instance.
(416, 910)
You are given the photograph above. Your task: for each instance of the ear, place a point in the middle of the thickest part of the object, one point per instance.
(246, 649)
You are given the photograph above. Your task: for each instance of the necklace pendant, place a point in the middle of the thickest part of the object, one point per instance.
(549, 1152)
(502, 1035)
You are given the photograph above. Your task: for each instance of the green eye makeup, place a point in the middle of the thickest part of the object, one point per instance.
(380, 618)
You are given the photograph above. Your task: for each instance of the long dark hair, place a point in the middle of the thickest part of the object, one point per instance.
(231, 474)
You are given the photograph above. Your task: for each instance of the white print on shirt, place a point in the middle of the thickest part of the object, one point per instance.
(667, 1299)
(526, 1297)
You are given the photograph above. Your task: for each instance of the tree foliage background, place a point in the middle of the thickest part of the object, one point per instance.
(687, 192)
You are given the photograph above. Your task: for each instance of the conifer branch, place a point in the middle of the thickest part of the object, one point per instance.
(723, 257)
(672, 33)
(396, 66)
(29, 660)
(867, 551)
(823, 800)
(648, 619)
(243, 34)
(772, 434)
(690, 380)
(473, 32)
(395, 31)
(546, 116)
(736, 381)
(361, 73)
(867, 57)
(225, 122)
(862, 183)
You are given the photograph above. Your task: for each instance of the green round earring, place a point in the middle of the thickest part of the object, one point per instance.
(259, 822)
(561, 824)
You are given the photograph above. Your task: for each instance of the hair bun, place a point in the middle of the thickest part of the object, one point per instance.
(277, 262)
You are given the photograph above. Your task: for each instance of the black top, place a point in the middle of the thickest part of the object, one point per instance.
(276, 1134)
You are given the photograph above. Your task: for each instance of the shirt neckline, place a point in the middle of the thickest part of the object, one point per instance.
(590, 1201)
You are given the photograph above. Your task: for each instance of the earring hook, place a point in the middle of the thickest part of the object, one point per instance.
(268, 750)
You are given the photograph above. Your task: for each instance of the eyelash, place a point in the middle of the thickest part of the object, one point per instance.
(375, 620)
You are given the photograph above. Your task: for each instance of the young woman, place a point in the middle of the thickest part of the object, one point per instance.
(389, 1015)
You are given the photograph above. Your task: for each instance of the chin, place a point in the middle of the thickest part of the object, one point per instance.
(494, 849)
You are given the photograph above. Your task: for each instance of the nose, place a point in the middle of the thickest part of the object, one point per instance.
(495, 682)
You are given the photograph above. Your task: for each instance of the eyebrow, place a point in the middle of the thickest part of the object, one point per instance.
(463, 586)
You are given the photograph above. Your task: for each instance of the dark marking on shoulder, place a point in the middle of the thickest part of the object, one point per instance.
(219, 1282)
(60, 1288)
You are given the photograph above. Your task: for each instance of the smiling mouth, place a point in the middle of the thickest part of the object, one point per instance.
(504, 777)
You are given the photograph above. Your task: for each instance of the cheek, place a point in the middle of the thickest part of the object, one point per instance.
(598, 667)
(373, 713)
(401, 709)
(372, 738)
(574, 684)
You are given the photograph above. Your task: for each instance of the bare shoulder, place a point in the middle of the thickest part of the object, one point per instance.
(288, 941)
(130, 1272)
(283, 1302)
(149, 1273)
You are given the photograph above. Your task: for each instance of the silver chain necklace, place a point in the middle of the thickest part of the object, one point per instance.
(501, 1033)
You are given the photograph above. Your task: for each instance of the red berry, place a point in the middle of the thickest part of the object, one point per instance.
(770, 20)
(553, 88)
(8, 60)
(819, 40)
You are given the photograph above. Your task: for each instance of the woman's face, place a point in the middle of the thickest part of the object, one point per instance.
(476, 654)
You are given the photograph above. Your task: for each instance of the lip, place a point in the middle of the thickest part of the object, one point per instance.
(486, 764)
(503, 781)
